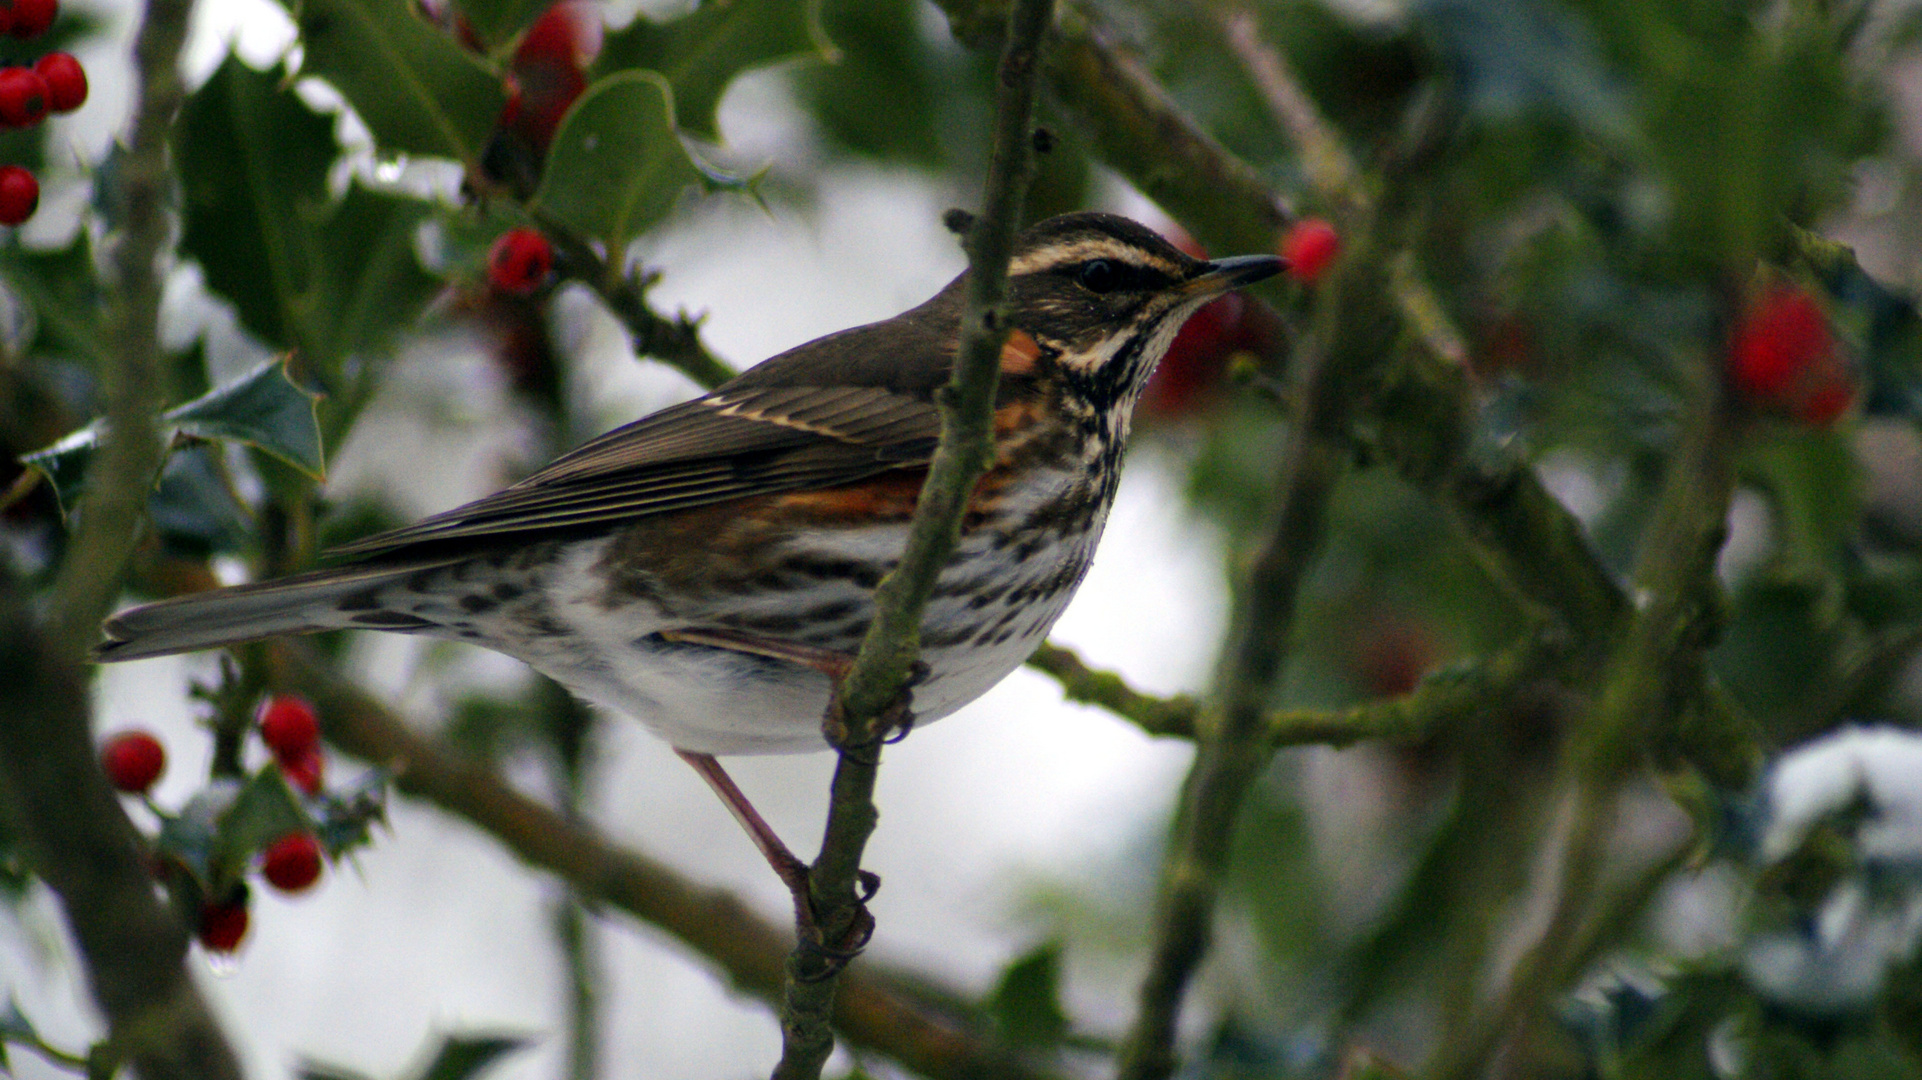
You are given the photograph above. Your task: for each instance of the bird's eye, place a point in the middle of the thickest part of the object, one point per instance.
(1099, 276)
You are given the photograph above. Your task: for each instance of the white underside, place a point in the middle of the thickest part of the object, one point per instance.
(720, 701)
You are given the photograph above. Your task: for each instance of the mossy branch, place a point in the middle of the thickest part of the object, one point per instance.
(69, 822)
(878, 678)
(1441, 700)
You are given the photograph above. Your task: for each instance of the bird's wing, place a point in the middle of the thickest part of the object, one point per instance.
(733, 443)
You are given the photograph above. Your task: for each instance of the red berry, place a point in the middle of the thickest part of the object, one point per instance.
(306, 771)
(1309, 246)
(23, 97)
(133, 760)
(519, 262)
(19, 194)
(66, 81)
(288, 726)
(569, 31)
(30, 18)
(222, 925)
(292, 863)
(1776, 342)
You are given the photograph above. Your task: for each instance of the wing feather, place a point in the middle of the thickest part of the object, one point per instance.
(734, 443)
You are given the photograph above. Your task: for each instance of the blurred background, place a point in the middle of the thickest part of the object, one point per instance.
(1572, 203)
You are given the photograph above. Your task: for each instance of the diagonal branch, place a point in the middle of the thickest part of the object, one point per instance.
(878, 678)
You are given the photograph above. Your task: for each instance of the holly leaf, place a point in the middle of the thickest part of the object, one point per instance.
(701, 52)
(265, 409)
(617, 166)
(372, 284)
(463, 1056)
(417, 89)
(64, 464)
(265, 810)
(497, 21)
(253, 165)
(345, 819)
(328, 278)
(1027, 1004)
(194, 508)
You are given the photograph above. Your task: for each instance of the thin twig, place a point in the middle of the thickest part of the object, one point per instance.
(1233, 729)
(675, 342)
(1440, 700)
(891, 647)
(1325, 159)
(871, 1010)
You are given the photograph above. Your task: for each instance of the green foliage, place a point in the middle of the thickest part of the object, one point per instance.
(458, 1057)
(328, 278)
(264, 409)
(1026, 1004)
(418, 90)
(701, 52)
(617, 165)
(497, 22)
(61, 289)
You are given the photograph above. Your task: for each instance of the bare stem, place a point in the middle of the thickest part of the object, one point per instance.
(675, 342)
(1233, 730)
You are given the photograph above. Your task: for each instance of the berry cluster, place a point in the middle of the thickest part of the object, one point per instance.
(217, 896)
(56, 83)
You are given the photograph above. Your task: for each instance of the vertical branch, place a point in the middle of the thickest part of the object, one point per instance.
(117, 485)
(1232, 731)
(879, 675)
(70, 823)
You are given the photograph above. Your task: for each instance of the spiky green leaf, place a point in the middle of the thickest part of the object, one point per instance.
(417, 89)
(617, 165)
(700, 53)
(264, 408)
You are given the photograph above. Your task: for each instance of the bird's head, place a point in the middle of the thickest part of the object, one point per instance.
(1104, 297)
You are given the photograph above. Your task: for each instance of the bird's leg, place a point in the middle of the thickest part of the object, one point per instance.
(791, 870)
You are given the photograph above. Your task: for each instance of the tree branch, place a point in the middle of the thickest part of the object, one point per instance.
(675, 342)
(1441, 700)
(70, 822)
(1232, 730)
(891, 647)
(869, 1010)
(116, 493)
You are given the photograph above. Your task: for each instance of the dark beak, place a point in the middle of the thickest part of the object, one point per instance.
(1222, 275)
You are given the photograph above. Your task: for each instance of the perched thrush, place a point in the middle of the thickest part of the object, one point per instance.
(693, 569)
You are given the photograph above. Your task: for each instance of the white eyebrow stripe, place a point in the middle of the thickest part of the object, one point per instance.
(1097, 247)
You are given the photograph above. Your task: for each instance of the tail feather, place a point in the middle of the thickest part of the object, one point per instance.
(301, 604)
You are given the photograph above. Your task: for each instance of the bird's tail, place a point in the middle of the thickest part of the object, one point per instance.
(334, 599)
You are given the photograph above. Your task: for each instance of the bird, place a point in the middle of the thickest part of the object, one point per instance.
(704, 568)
